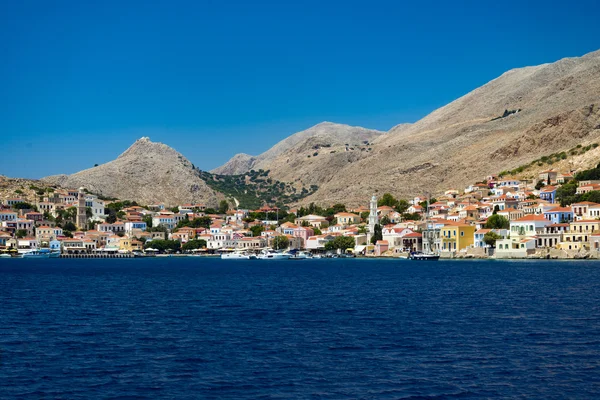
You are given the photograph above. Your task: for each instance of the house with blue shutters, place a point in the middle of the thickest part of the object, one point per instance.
(548, 193)
(559, 215)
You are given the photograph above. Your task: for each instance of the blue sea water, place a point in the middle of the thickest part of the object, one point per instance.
(324, 329)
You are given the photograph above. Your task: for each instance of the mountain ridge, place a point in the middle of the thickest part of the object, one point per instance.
(147, 172)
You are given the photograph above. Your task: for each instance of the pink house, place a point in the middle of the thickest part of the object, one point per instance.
(304, 233)
(381, 247)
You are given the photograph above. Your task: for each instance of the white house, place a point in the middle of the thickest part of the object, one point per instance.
(318, 242)
(131, 225)
(515, 247)
(96, 205)
(528, 225)
(164, 218)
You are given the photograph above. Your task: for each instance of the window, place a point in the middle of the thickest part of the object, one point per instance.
(462, 234)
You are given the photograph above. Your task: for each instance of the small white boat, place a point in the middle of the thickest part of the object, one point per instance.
(301, 255)
(238, 255)
(5, 256)
(418, 256)
(269, 254)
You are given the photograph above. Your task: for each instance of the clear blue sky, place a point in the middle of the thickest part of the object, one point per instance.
(80, 81)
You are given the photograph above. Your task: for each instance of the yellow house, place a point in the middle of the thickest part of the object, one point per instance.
(457, 237)
(130, 244)
(580, 231)
(345, 218)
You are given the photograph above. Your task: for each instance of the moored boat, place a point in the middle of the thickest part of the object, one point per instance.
(269, 254)
(42, 253)
(238, 255)
(419, 256)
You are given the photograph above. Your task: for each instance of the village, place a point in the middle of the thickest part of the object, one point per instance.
(551, 217)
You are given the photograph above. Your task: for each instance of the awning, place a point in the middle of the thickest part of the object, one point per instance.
(359, 249)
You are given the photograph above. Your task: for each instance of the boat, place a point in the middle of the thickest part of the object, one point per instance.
(5, 256)
(420, 256)
(238, 255)
(270, 254)
(301, 255)
(42, 253)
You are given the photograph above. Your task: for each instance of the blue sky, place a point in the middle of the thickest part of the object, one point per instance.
(80, 81)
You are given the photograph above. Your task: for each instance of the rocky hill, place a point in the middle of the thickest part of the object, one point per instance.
(28, 190)
(295, 149)
(523, 115)
(148, 173)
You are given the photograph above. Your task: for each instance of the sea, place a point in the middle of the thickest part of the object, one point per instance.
(202, 328)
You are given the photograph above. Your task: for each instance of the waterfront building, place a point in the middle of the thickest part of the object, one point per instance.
(456, 237)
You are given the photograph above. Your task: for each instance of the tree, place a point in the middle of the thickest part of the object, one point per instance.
(387, 200)
(21, 233)
(23, 206)
(174, 210)
(364, 215)
(316, 230)
(194, 244)
(337, 208)
(223, 206)
(539, 185)
(340, 242)
(377, 234)
(71, 213)
(112, 217)
(163, 245)
(385, 220)
(593, 196)
(402, 206)
(88, 212)
(280, 242)
(567, 193)
(497, 222)
(490, 238)
(148, 220)
(423, 204)
(411, 217)
(362, 229)
(69, 226)
(257, 230)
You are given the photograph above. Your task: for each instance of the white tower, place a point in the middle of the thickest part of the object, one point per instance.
(373, 218)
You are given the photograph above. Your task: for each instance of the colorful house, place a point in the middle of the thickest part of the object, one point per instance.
(456, 237)
(548, 193)
(559, 215)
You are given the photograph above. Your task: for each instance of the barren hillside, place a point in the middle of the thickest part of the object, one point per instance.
(146, 172)
(457, 144)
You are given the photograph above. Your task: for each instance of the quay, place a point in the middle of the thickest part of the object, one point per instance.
(101, 255)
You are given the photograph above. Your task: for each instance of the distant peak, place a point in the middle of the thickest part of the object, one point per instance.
(143, 139)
